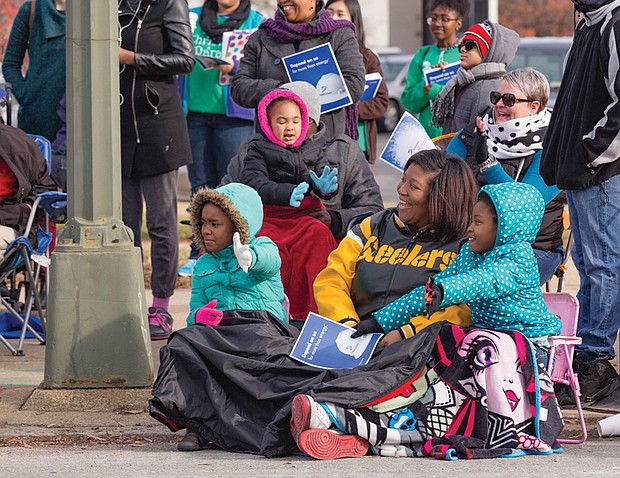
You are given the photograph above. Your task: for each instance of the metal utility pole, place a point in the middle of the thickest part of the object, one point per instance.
(97, 331)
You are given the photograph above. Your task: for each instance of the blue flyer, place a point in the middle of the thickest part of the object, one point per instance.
(373, 80)
(408, 138)
(318, 66)
(439, 76)
(324, 343)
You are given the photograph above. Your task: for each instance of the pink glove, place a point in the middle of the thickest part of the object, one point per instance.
(209, 315)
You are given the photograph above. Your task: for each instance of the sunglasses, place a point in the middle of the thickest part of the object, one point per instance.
(508, 99)
(467, 45)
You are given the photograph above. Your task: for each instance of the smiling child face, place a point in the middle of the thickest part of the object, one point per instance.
(482, 231)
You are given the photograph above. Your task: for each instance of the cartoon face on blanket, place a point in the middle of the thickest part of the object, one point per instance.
(496, 368)
(486, 396)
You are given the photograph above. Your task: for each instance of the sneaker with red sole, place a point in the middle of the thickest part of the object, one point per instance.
(305, 414)
(328, 444)
(160, 323)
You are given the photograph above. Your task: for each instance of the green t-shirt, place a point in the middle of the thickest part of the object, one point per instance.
(205, 94)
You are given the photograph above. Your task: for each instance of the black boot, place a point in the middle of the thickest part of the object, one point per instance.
(598, 380)
(191, 442)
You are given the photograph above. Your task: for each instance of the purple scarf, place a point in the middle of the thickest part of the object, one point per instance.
(283, 31)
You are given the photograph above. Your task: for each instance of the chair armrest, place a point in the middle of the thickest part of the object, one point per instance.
(556, 340)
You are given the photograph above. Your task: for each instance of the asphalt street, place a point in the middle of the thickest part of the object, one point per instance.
(597, 458)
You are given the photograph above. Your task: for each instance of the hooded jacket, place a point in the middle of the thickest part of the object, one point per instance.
(217, 274)
(582, 145)
(500, 286)
(274, 169)
(473, 87)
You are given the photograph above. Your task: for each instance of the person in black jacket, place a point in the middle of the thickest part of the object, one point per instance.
(155, 45)
(582, 155)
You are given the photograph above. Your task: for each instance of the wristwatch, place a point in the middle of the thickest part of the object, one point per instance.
(489, 163)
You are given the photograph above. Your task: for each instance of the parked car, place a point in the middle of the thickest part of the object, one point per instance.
(394, 68)
(545, 54)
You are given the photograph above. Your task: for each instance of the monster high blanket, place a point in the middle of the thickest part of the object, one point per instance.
(487, 395)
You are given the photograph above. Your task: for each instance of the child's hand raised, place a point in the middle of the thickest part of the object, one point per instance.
(242, 253)
(298, 194)
(328, 182)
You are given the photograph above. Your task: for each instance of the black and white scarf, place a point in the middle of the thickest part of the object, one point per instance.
(516, 138)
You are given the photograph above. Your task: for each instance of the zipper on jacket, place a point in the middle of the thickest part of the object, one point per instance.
(133, 85)
(133, 82)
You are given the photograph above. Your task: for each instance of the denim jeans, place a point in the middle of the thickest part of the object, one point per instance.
(214, 139)
(595, 221)
(548, 263)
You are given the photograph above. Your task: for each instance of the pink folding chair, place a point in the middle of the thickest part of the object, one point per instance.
(562, 348)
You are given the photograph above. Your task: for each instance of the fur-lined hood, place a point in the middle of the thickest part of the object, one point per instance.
(241, 203)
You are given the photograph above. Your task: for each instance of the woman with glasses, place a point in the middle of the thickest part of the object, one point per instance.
(445, 20)
(486, 50)
(505, 144)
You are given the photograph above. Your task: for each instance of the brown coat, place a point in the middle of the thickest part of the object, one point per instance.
(371, 110)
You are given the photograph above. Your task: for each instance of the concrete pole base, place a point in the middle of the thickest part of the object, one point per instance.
(97, 327)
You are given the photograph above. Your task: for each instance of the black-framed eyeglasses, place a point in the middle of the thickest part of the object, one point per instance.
(467, 45)
(441, 20)
(507, 98)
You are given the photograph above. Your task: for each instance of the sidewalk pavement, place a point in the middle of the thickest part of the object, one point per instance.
(77, 417)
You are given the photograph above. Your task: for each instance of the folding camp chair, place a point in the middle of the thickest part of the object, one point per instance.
(562, 347)
(22, 260)
(568, 245)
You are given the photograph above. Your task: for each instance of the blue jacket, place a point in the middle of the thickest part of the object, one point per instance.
(501, 286)
(218, 276)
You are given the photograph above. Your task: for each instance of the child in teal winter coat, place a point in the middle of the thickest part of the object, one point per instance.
(495, 272)
(237, 270)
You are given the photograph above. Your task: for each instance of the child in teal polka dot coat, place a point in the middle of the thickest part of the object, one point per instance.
(495, 273)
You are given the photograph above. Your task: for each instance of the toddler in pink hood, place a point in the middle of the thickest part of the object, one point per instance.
(288, 163)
